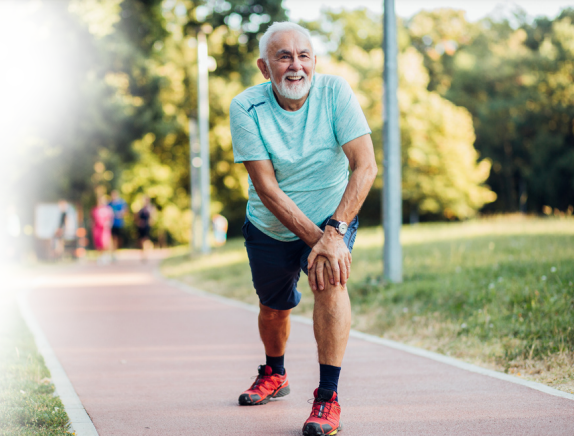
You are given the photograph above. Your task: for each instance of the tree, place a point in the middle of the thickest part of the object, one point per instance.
(106, 97)
(441, 175)
(232, 29)
(516, 80)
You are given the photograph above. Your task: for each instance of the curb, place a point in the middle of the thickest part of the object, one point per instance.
(386, 342)
(80, 422)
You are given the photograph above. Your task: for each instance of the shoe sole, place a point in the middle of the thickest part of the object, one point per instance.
(244, 399)
(315, 430)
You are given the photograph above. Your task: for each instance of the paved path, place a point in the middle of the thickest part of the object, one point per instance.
(147, 358)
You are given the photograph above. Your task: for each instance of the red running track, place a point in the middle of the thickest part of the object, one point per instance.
(148, 358)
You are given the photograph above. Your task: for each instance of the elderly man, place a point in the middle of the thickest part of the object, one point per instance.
(297, 136)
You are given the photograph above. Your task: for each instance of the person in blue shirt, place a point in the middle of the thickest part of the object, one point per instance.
(297, 136)
(119, 206)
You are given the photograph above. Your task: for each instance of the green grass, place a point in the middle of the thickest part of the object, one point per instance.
(27, 402)
(496, 292)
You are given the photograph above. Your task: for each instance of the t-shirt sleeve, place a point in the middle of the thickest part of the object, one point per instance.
(349, 120)
(247, 142)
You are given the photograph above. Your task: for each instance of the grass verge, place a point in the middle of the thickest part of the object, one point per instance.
(495, 292)
(27, 402)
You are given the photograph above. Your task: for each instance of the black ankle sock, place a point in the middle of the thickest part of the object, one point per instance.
(329, 377)
(277, 364)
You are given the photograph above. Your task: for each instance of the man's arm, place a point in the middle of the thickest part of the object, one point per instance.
(361, 157)
(279, 204)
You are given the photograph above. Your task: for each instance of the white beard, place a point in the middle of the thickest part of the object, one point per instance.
(293, 91)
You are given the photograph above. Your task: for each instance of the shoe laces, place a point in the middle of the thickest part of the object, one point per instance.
(322, 409)
(263, 382)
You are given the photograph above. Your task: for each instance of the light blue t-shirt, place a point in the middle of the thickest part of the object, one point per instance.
(305, 147)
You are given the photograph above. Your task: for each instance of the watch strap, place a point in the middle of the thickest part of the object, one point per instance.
(340, 226)
(333, 223)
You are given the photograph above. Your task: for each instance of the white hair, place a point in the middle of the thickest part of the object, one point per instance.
(280, 26)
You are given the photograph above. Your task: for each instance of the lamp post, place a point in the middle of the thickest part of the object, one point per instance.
(203, 124)
(392, 195)
(194, 166)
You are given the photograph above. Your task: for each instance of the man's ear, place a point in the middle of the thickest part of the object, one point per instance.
(262, 65)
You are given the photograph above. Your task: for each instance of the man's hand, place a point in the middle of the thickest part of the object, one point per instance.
(317, 273)
(333, 248)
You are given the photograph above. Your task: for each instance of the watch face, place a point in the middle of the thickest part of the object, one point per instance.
(343, 228)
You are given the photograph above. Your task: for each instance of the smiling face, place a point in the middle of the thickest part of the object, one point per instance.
(290, 65)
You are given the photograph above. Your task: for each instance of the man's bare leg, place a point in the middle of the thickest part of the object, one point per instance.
(274, 329)
(331, 322)
(115, 245)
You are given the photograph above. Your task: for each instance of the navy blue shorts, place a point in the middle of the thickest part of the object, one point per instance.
(276, 265)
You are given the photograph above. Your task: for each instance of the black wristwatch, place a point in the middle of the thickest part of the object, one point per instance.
(340, 226)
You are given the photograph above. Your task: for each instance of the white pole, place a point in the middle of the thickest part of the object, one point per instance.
(392, 195)
(194, 165)
(203, 113)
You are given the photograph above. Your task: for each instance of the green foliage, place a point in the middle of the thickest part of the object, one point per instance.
(441, 175)
(438, 34)
(517, 83)
(149, 177)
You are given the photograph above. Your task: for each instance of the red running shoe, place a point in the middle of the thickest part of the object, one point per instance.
(265, 387)
(325, 415)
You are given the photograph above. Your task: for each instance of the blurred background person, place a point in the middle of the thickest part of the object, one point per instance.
(143, 222)
(58, 243)
(119, 207)
(102, 220)
(220, 225)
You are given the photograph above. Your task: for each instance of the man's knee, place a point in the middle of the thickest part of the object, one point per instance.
(330, 295)
(329, 289)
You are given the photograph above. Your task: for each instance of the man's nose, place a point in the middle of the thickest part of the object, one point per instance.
(296, 64)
